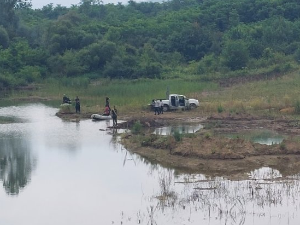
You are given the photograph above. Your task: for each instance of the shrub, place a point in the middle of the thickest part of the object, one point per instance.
(220, 109)
(207, 135)
(65, 108)
(235, 55)
(137, 127)
(282, 146)
(177, 135)
(297, 107)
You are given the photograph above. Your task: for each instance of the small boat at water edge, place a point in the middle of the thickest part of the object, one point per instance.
(100, 117)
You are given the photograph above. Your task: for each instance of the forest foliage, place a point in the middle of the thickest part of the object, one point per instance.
(203, 38)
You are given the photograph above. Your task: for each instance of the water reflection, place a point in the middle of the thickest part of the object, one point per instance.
(16, 164)
(183, 129)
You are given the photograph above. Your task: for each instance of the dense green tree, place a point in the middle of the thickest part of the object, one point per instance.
(96, 55)
(8, 17)
(144, 39)
(235, 55)
(117, 68)
(4, 39)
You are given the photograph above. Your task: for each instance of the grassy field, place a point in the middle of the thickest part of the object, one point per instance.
(126, 95)
(262, 96)
(258, 96)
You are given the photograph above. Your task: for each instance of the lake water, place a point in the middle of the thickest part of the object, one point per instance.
(55, 172)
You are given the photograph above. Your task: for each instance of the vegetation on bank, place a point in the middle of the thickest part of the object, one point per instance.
(126, 95)
(134, 52)
(266, 96)
(207, 40)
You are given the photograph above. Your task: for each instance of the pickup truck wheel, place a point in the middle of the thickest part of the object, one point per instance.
(193, 106)
(166, 108)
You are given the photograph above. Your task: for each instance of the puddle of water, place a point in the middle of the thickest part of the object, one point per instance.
(265, 137)
(182, 129)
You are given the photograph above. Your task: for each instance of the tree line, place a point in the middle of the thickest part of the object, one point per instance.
(147, 39)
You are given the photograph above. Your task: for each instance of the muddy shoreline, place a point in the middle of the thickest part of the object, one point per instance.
(205, 152)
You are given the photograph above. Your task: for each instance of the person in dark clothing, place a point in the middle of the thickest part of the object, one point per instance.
(66, 99)
(115, 109)
(161, 107)
(156, 107)
(77, 104)
(107, 103)
(114, 116)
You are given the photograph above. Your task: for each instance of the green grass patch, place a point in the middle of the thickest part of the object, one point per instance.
(257, 96)
(126, 95)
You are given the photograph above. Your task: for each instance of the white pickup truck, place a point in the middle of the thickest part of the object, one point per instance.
(176, 101)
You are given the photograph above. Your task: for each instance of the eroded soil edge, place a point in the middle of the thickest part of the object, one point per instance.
(205, 152)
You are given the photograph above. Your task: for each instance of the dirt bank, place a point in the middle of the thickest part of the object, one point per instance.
(205, 152)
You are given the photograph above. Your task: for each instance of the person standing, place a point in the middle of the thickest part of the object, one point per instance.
(156, 107)
(161, 108)
(77, 104)
(114, 116)
(107, 103)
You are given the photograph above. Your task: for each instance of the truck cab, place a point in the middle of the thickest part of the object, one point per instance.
(176, 101)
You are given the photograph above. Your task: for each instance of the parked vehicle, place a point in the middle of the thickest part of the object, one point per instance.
(176, 101)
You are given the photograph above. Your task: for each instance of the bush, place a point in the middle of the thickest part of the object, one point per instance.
(235, 55)
(220, 109)
(282, 146)
(297, 107)
(65, 108)
(177, 135)
(207, 135)
(137, 127)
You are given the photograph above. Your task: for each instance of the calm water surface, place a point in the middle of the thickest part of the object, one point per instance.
(265, 137)
(57, 173)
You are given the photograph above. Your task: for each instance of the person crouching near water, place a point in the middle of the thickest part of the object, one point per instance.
(106, 111)
(156, 107)
(114, 116)
(66, 100)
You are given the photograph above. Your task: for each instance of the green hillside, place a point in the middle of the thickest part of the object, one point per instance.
(202, 40)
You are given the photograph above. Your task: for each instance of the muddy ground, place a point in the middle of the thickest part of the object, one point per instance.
(205, 152)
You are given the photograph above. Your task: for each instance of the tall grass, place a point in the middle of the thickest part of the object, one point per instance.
(260, 95)
(132, 95)
(126, 95)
